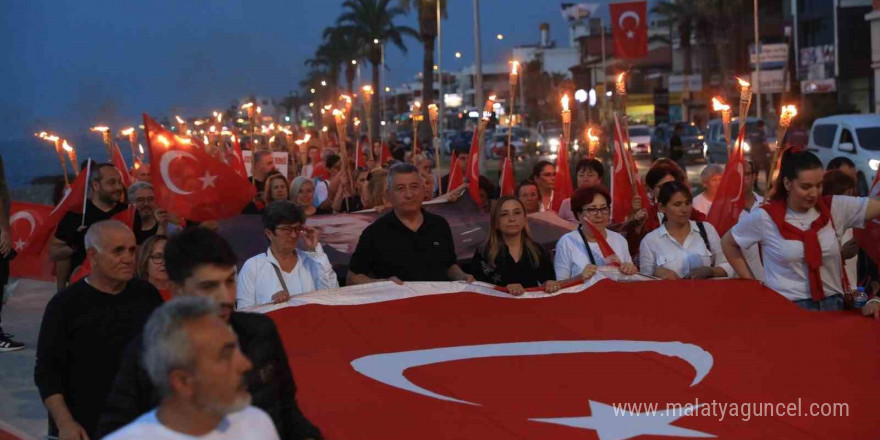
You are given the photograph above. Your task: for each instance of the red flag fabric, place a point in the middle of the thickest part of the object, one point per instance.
(359, 161)
(870, 235)
(189, 182)
(473, 168)
(604, 247)
(72, 201)
(507, 184)
(629, 24)
(386, 154)
(455, 179)
(119, 162)
(26, 220)
(729, 201)
(451, 364)
(625, 182)
(237, 159)
(563, 188)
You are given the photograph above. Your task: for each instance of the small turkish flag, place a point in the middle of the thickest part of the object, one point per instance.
(73, 201)
(191, 183)
(237, 159)
(386, 154)
(359, 161)
(26, 221)
(625, 182)
(630, 27)
(870, 235)
(729, 203)
(455, 179)
(119, 162)
(473, 168)
(563, 188)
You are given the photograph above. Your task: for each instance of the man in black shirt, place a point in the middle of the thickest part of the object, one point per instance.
(86, 328)
(406, 244)
(6, 253)
(264, 164)
(201, 262)
(105, 200)
(150, 220)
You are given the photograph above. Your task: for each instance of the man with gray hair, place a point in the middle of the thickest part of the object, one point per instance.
(711, 179)
(86, 328)
(150, 220)
(106, 194)
(407, 243)
(193, 358)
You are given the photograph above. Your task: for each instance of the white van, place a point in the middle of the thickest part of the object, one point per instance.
(856, 137)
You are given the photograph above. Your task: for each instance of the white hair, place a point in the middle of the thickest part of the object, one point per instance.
(96, 232)
(167, 345)
(135, 187)
(711, 170)
(399, 168)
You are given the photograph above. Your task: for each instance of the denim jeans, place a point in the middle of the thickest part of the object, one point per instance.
(832, 303)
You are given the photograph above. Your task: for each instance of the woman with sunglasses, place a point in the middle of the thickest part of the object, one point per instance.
(509, 257)
(581, 251)
(544, 176)
(799, 231)
(681, 247)
(151, 265)
(293, 264)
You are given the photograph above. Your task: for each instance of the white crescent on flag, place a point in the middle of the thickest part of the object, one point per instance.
(27, 216)
(163, 169)
(627, 14)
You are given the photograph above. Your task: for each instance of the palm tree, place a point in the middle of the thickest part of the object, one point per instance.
(682, 16)
(371, 25)
(327, 59)
(346, 48)
(427, 10)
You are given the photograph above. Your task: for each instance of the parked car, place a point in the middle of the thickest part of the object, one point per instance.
(640, 140)
(715, 146)
(692, 138)
(446, 141)
(461, 142)
(854, 136)
(525, 141)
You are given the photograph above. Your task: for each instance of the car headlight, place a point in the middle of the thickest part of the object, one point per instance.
(554, 144)
(746, 147)
(705, 149)
(874, 164)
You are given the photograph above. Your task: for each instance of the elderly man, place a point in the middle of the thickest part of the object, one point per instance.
(150, 220)
(201, 263)
(142, 173)
(294, 264)
(264, 164)
(193, 358)
(105, 201)
(408, 243)
(711, 179)
(85, 330)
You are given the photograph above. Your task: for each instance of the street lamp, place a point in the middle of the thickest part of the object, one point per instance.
(323, 83)
(499, 36)
(458, 54)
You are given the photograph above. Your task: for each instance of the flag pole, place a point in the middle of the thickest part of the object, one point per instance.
(82, 225)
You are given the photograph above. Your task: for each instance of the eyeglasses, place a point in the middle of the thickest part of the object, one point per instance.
(290, 230)
(142, 200)
(605, 210)
(157, 258)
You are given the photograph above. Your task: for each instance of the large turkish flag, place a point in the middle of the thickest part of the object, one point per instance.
(436, 361)
(26, 221)
(191, 183)
(629, 24)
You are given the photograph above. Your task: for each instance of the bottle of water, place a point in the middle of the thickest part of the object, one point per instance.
(860, 299)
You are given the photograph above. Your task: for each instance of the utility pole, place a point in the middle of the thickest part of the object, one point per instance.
(478, 74)
(757, 62)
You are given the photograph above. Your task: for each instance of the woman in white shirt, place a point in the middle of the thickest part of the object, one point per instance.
(711, 179)
(681, 247)
(581, 251)
(284, 269)
(798, 230)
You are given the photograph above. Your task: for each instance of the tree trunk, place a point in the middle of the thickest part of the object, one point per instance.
(374, 104)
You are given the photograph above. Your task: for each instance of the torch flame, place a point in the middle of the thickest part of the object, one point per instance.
(307, 137)
(718, 105)
(272, 139)
(337, 113)
(368, 89)
(743, 83)
(163, 140)
(328, 107)
(259, 109)
(141, 148)
(592, 137)
(565, 102)
(219, 117)
(179, 121)
(100, 128)
(789, 111)
(620, 77)
(41, 135)
(205, 140)
(417, 104)
(324, 129)
(513, 68)
(127, 131)
(345, 98)
(247, 106)
(66, 146)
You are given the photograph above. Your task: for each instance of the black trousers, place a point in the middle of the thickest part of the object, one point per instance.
(4, 278)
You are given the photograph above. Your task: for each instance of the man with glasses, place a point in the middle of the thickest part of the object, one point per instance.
(293, 264)
(150, 221)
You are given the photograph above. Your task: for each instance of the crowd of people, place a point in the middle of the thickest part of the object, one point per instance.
(155, 340)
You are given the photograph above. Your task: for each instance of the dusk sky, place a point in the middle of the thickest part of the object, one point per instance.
(66, 59)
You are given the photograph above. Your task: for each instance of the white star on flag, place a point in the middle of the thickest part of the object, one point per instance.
(208, 179)
(630, 35)
(20, 244)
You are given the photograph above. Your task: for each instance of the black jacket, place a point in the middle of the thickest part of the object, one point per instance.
(270, 382)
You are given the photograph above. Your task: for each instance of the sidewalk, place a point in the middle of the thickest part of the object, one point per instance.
(20, 404)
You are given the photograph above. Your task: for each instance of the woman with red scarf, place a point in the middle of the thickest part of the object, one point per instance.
(800, 231)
